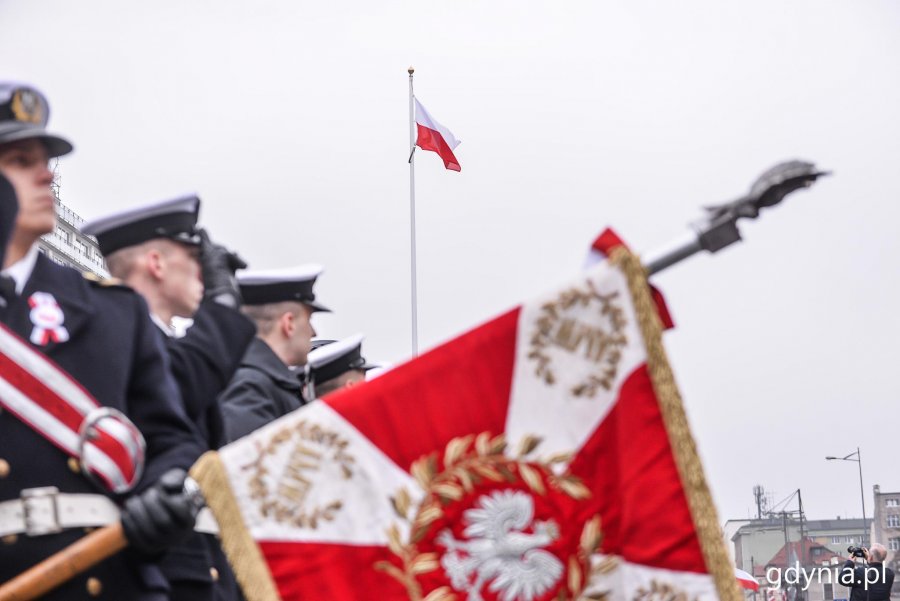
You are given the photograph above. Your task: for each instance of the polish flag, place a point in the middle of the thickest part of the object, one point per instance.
(746, 580)
(434, 136)
(543, 455)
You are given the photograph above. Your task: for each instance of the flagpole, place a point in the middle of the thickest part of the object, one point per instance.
(412, 217)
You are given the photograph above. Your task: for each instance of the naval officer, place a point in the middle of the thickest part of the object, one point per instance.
(159, 251)
(334, 365)
(101, 335)
(281, 304)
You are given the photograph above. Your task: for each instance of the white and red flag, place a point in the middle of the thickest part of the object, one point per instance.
(746, 580)
(544, 455)
(434, 136)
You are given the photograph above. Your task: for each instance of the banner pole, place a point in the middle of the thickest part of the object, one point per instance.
(412, 217)
(65, 565)
(719, 228)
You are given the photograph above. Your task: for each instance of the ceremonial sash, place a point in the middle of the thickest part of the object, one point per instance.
(107, 444)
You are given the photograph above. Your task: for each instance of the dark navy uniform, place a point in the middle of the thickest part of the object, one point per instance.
(116, 353)
(263, 389)
(203, 361)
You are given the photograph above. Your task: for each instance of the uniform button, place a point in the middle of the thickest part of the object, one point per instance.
(214, 573)
(94, 587)
(4, 468)
(74, 465)
(10, 539)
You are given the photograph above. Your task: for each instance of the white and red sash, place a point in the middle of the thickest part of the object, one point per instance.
(110, 448)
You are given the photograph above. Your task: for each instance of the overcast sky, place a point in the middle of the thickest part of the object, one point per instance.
(290, 119)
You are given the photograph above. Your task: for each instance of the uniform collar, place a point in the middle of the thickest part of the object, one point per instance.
(261, 356)
(167, 329)
(21, 270)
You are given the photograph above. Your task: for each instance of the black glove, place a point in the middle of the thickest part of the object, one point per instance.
(162, 515)
(218, 265)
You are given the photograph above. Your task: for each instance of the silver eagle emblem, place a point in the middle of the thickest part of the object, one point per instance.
(497, 553)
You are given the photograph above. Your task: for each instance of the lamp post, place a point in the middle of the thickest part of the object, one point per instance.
(862, 494)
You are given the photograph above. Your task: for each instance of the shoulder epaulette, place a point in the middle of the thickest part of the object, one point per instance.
(96, 280)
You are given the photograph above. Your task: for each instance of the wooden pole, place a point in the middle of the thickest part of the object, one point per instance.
(65, 565)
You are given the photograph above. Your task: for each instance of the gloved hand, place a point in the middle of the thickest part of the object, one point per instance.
(218, 265)
(162, 515)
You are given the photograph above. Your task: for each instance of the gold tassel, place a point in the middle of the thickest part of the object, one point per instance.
(243, 554)
(703, 511)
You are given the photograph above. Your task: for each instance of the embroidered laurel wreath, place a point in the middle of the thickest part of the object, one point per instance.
(557, 327)
(285, 499)
(473, 463)
(662, 591)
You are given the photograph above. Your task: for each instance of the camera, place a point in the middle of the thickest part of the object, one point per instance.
(856, 551)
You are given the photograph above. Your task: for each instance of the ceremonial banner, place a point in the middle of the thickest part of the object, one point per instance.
(543, 455)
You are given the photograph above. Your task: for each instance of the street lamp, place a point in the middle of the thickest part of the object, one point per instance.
(862, 494)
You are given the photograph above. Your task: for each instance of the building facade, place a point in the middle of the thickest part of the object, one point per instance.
(886, 529)
(68, 246)
(769, 546)
(838, 534)
(756, 541)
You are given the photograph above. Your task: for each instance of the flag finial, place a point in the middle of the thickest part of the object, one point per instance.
(410, 70)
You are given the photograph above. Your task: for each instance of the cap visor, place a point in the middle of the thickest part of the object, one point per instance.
(316, 306)
(187, 239)
(56, 146)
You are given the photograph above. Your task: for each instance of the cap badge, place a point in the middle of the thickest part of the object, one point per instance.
(48, 318)
(27, 106)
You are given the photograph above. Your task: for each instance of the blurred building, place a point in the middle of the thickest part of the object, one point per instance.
(819, 563)
(756, 541)
(838, 534)
(68, 246)
(886, 529)
(774, 542)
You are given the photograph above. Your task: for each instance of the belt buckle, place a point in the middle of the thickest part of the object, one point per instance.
(40, 511)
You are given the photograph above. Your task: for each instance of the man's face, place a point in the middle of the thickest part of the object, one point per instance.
(301, 339)
(24, 164)
(181, 284)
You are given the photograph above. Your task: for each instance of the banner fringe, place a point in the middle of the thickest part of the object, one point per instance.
(243, 554)
(703, 511)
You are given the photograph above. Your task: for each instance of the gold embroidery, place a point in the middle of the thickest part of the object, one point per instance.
(703, 511)
(286, 502)
(104, 282)
(243, 553)
(26, 106)
(661, 591)
(469, 462)
(599, 345)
